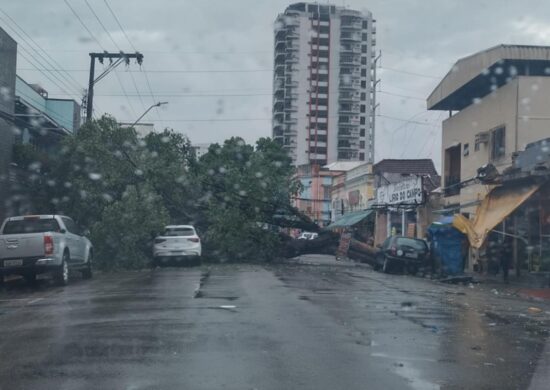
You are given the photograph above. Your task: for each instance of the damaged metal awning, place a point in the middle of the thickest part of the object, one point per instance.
(495, 207)
(350, 219)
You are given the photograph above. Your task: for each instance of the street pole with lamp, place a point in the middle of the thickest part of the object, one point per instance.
(145, 113)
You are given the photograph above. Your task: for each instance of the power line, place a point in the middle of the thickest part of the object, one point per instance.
(99, 44)
(133, 47)
(83, 24)
(120, 25)
(118, 47)
(405, 120)
(185, 95)
(37, 64)
(102, 25)
(410, 73)
(402, 96)
(210, 120)
(38, 47)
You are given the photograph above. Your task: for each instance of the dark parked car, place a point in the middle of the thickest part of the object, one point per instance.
(403, 253)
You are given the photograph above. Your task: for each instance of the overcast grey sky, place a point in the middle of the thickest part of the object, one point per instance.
(419, 39)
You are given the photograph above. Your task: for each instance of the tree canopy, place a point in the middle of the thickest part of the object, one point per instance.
(125, 189)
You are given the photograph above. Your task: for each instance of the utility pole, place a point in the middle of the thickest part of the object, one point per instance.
(120, 57)
(374, 104)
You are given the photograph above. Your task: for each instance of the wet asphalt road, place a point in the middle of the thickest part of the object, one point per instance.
(314, 325)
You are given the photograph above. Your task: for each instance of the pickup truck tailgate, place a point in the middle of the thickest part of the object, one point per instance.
(21, 246)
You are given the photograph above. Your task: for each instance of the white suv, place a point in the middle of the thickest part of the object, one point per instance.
(178, 243)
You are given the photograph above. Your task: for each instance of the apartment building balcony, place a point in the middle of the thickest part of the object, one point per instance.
(292, 48)
(280, 44)
(344, 25)
(313, 132)
(349, 85)
(294, 59)
(351, 60)
(290, 129)
(280, 57)
(346, 97)
(345, 132)
(350, 50)
(278, 131)
(291, 83)
(347, 36)
(349, 111)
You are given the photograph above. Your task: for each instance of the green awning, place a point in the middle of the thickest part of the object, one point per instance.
(350, 219)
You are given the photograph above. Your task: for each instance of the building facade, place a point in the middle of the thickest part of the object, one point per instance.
(498, 105)
(8, 60)
(498, 99)
(29, 119)
(403, 203)
(352, 191)
(323, 84)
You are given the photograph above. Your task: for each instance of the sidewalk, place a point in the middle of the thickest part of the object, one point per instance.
(528, 285)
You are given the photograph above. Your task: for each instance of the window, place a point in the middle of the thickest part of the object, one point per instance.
(326, 192)
(363, 48)
(363, 72)
(362, 156)
(363, 84)
(363, 96)
(362, 120)
(452, 164)
(31, 225)
(363, 109)
(362, 132)
(179, 232)
(466, 150)
(498, 143)
(364, 36)
(324, 29)
(363, 60)
(70, 225)
(365, 24)
(361, 144)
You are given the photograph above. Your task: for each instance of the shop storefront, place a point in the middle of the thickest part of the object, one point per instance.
(515, 215)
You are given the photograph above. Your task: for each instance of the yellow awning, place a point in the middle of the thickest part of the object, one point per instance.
(497, 205)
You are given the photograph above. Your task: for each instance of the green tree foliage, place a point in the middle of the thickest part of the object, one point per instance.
(126, 189)
(243, 189)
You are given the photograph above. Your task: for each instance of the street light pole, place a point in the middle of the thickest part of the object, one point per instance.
(146, 111)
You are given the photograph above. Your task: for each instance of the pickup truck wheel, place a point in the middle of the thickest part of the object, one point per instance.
(87, 272)
(62, 273)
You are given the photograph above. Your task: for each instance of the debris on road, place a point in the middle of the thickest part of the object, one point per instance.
(458, 279)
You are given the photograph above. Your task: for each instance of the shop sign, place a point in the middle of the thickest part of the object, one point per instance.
(405, 192)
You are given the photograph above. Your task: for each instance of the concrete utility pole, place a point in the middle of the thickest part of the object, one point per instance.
(120, 57)
(374, 104)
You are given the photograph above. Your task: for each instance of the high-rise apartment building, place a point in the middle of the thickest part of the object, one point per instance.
(323, 83)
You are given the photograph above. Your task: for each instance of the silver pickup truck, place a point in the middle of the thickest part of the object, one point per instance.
(34, 244)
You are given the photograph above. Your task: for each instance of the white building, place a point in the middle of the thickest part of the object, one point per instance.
(200, 149)
(323, 83)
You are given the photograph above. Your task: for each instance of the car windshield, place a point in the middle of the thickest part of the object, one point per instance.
(31, 226)
(412, 243)
(179, 232)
